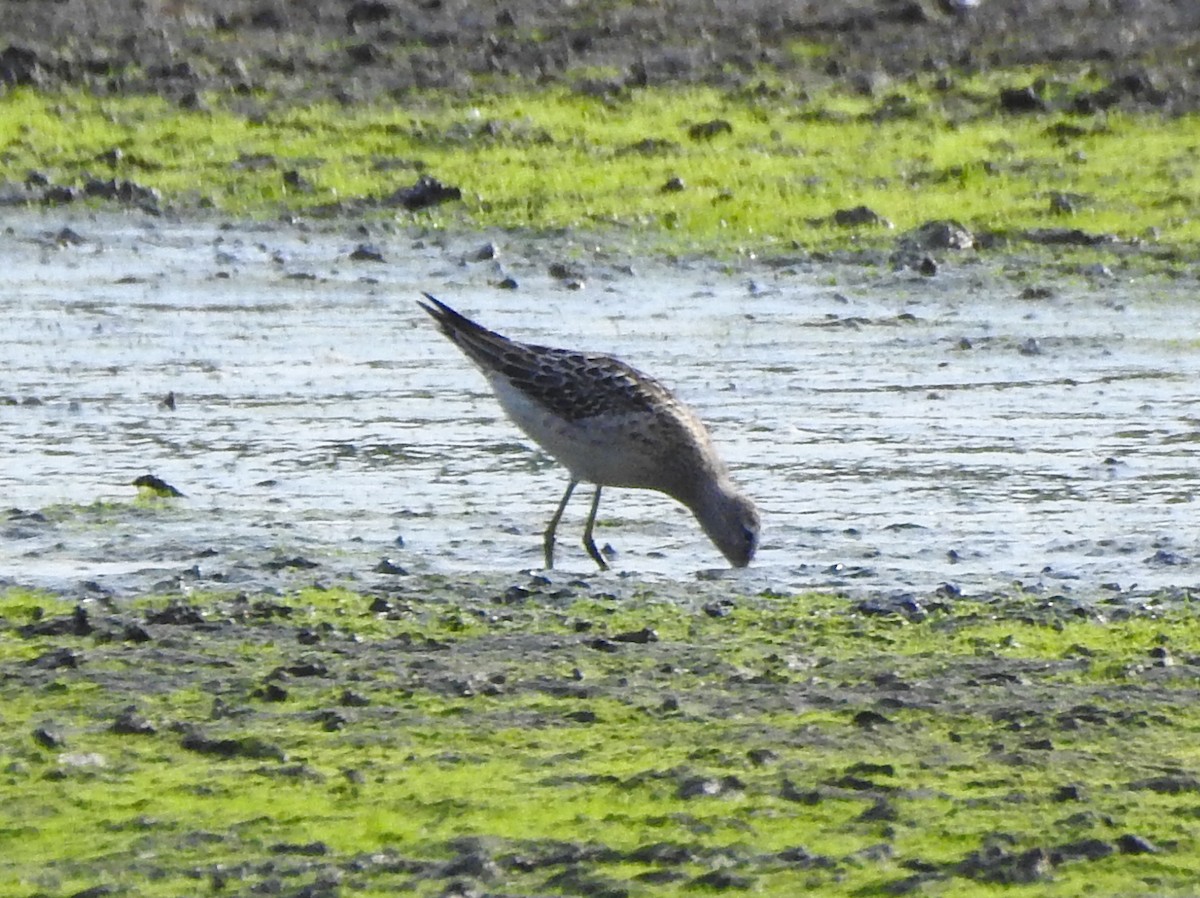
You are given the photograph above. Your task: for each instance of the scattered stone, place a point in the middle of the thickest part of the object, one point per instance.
(130, 723)
(1070, 792)
(1083, 850)
(311, 668)
(48, 736)
(722, 880)
(387, 566)
(719, 608)
(1037, 292)
(901, 604)
(98, 891)
(1067, 237)
(868, 720)
(427, 191)
(1134, 844)
(306, 849)
(882, 811)
(1168, 784)
(332, 721)
(995, 865)
(297, 562)
(293, 180)
(272, 692)
(56, 659)
(156, 486)
(710, 129)
(367, 12)
(1021, 99)
(649, 146)
(708, 787)
(366, 252)
(76, 624)
(20, 66)
(790, 792)
(564, 271)
(640, 637)
(859, 216)
(127, 192)
(68, 237)
(1165, 558)
(251, 747)
(351, 699)
(672, 185)
(176, 614)
(485, 253)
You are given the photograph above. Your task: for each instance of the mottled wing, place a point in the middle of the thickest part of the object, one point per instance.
(572, 385)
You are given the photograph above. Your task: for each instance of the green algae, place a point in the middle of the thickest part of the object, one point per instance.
(790, 742)
(771, 173)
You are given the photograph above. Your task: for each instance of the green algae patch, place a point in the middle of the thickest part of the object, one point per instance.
(615, 738)
(694, 168)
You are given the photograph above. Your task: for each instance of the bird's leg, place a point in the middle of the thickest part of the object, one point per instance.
(588, 542)
(548, 539)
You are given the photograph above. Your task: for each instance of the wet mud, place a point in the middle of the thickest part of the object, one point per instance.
(982, 430)
(352, 52)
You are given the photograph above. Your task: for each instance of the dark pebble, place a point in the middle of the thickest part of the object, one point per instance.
(710, 129)
(1021, 99)
(56, 659)
(365, 252)
(1133, 844)
(130, 723)
(721, 881)
(870, 719)
(719, 608)
(426, 192)
(49, 737)
(640, 637)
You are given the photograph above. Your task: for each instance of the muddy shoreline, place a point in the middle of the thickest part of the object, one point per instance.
(372, 49)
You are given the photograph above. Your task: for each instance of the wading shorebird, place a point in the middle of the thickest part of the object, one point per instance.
(610, 425)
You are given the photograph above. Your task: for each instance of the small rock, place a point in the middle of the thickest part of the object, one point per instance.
(1021, 99)
(366, 252)
(485, 253)
(564, 271)
(49, 736)
(387, 566)
(859, 216)
(426, 192)
(293, 180)
(130, 723)
(640, 637)
(710, 129)
(156, 486)
(1133, 844)
(868, 720)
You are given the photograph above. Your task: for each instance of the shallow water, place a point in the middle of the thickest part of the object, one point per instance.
(898, 432)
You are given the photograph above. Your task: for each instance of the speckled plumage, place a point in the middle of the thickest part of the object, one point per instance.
(610, 425)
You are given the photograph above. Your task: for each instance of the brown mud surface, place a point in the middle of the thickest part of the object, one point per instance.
(371, 49)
